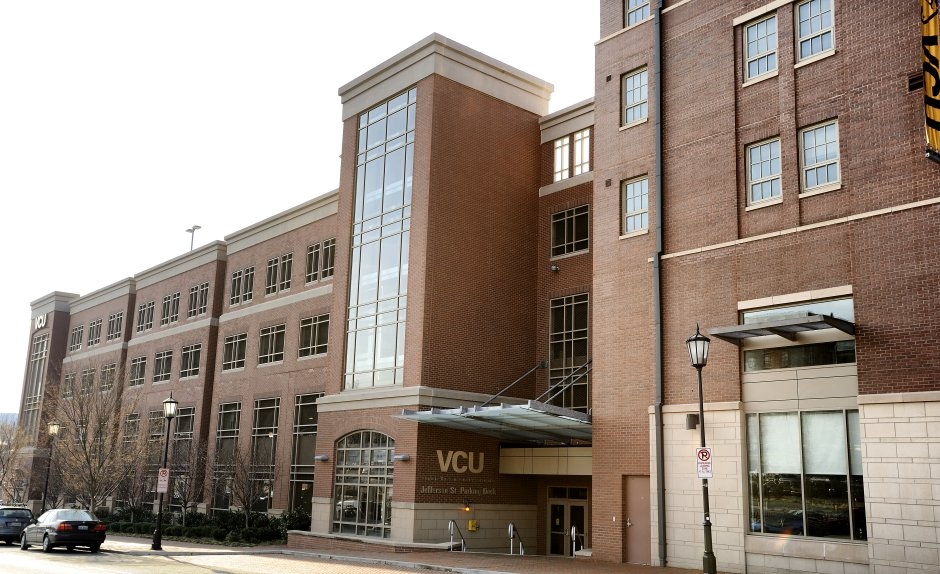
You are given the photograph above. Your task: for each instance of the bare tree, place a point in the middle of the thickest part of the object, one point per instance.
(91, 449)
(188, 463)
(135, 492)
(250, 474)
(11, 443)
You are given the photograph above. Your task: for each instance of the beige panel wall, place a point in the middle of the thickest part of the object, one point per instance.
(561, 461)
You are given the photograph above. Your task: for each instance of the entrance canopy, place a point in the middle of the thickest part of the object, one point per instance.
(532, 421)
(786, 328)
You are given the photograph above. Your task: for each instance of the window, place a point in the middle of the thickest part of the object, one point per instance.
(189, 363)
(155, 426)
(94, 332)
(115, 325)
(760, 47)
(635, 11)
(805, 474)
(302, 452)
(313, 263)
(184, 488)
(814, 28)
(570, 231)
(329, 256)
(568, 349)
(226, 443)
(138, 371)
(145, 316)
(88, 381)
(264, 450)
(38, 354)
(171, 309)
(198, 300)
(362, 493)
(763, 174)
(75, 340)
(829, 353)
(108, 373)
(242, 286)
(279, 272)
(314, 335)
(68, 385)
(580, 142)
(131, 428)
(233, 352)
(162, 366)
(271, 345)
(634, 94)
(820, 160)
(635, 205)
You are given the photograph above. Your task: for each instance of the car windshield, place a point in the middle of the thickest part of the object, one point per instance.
(74, 515)
(15, 513)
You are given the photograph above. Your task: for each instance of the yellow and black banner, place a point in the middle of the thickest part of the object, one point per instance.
(930, 32)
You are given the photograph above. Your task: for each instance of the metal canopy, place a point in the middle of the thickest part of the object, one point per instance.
(530, 422)
(786, 328)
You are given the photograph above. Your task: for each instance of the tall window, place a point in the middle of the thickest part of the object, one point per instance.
(171, 309)
(562, 158)
(634, 97)
(313, 263)
(162, 366)
(362, 493)
(243, 282)
(314, 335)
(570, 231)
(233, 352)
(279, 273)
(131, 428)
(760, 47)
(68, 385)
(378, 270)
(636, 205)
(568, 349)
(814, 28)
(820, 158)
(138, 371)
(94, 332)
(635, 11)
(189, 361)
(302, 452)
(115, 326)
(88, 381)
(198, 300)
(145, 316)
(329, 256)
(264, 450)
(184, 461)
(34, 382)
(763, 174)
(75, 339)
(108, 374)
(271, 345)
(226, 443)
(572, 154)
(805, 474)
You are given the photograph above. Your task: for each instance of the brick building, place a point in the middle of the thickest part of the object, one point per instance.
(485, 324)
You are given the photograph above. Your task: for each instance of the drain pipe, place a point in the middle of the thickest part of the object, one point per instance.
(657, 278)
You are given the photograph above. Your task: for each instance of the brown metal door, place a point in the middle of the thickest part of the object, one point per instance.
(636, 520)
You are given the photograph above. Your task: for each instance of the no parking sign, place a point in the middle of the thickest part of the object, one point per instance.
(163, 480)
(703, 462)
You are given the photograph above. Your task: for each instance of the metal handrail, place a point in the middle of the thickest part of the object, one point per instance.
(540, 365)
(574, 540)
(513, 534)
(450, 528)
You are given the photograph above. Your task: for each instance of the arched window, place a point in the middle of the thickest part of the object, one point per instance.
(362, 495)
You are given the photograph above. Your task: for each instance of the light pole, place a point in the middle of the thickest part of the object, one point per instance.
(169, 413)
(192, 235)
(53, 429)
(698, 355)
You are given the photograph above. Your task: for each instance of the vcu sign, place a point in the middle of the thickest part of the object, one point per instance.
(460, 462)
(39, 322)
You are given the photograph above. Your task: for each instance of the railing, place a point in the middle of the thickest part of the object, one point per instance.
(540, 365)
(513, 534)
(574, 540)
(451, 526)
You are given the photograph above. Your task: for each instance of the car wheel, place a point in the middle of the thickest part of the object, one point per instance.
(23, 544)
(46, 544)
(94, 548)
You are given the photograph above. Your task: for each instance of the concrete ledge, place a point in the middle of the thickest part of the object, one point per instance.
(303, 540)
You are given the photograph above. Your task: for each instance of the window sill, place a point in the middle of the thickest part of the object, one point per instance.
(815, 58)
(635, 233)
(764, 203)
(270, 364)
(309, 357)
(233, 370)
(567, 255)
(822, 189)
(636, 123)
(566, 183)
(761, 78)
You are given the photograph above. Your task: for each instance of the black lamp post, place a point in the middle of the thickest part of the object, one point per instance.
(53, 429)
(169, 413)
(698, 355)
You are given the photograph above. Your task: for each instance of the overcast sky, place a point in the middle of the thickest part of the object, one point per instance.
(124, 123)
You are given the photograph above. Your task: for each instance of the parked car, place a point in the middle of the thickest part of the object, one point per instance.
(13, 519)
(67, 527)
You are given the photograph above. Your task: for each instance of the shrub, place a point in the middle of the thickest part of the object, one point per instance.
(295, 520)
(219, 534)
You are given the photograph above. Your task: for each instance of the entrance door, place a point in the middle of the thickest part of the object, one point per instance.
(636, 521)
(563, 515)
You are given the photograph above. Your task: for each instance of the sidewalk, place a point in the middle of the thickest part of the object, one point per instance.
(461, 562)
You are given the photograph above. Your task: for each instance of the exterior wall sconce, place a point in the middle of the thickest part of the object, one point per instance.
(691, 421)
(555, 268)
(321, 458)
(401, 457)
(466, 506)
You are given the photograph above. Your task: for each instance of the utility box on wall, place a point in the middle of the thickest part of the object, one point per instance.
(471, 525)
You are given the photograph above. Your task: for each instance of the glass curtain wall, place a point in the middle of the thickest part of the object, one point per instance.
(378, 281)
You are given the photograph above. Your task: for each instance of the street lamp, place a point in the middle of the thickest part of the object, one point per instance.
(698, 355)
(169, 413)
(192, 235)
(53, 429)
